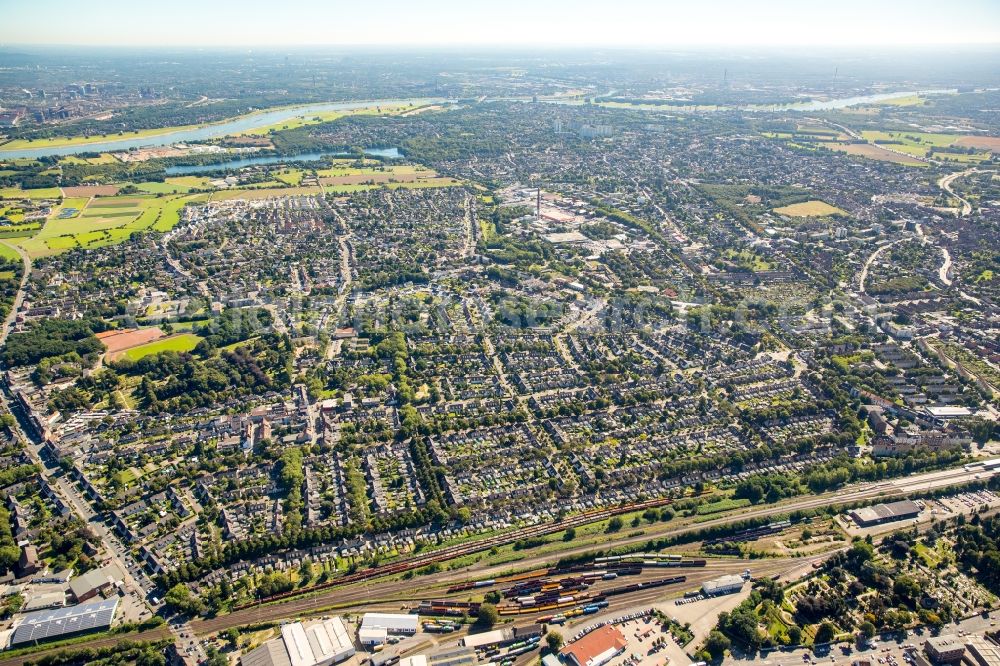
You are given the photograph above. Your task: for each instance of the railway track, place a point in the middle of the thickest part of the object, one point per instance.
(453, 552)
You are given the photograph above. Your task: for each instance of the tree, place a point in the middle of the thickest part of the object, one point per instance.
(487, 616)
(569, 534)
(615, 524)
(867, 630)
(825, 633)
(181, 599)
(795, 634)
(305, 572)
(717, 644)
(554, 640)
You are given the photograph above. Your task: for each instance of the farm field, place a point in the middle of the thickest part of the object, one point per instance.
(922, 144)
(42, 193)
(175, 185)
(985, 142)
(91, 191)
(875, 153)
(291, 177)
(9, 253)
(103, 158)
(262, 193)
(810, 209)
(182, 342)
(416, 185)
(103, 221)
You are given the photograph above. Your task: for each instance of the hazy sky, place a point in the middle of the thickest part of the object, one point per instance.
(663, 23)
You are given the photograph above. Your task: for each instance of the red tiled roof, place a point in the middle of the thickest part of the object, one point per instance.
(595, 643)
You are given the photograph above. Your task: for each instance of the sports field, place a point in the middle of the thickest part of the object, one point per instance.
(810, 209)
(117, 341)
(182, 342)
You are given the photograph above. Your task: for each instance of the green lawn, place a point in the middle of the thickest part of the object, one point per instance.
(181, 342)
(9, 253)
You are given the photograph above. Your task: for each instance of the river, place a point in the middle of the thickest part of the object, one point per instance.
(265, 118)
(392, 153)
(844, 102)
(234, 126)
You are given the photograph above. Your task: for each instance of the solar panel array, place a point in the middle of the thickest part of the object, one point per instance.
(43, 625)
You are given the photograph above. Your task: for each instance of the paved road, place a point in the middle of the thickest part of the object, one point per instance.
(945, 184)
(19, 297)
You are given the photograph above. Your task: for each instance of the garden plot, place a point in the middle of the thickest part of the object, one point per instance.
(493, 463)
(392, 480)
(326, 501)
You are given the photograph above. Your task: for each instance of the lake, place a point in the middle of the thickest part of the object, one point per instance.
(234, 126)
(392, 153)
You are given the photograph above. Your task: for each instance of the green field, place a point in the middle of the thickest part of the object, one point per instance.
(290, 176)
(182, 342)
(922, 144)
(42, 193)
(103, 158)
(813, 208)
(9, 253)
(106, 221)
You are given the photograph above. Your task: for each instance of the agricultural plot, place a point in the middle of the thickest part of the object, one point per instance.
(354, 179)
(103, 158)
(41, 193)
(91, 191)
(873, 152)
(944, 147)
(103, 221)
(177, 185)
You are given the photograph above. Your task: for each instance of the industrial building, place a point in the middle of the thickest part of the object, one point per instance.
(47, 625)
(944, 649)
(95, 582)
(982, 651)
(376, 627)
(870, 516)
(487, 638)
(596, 648)
(722, 585)
(320, 644)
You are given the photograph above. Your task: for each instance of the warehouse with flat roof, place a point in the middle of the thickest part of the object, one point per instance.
(376, 627)
(870, 516)
(722, 585)
(48, 625)
(319, 644)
